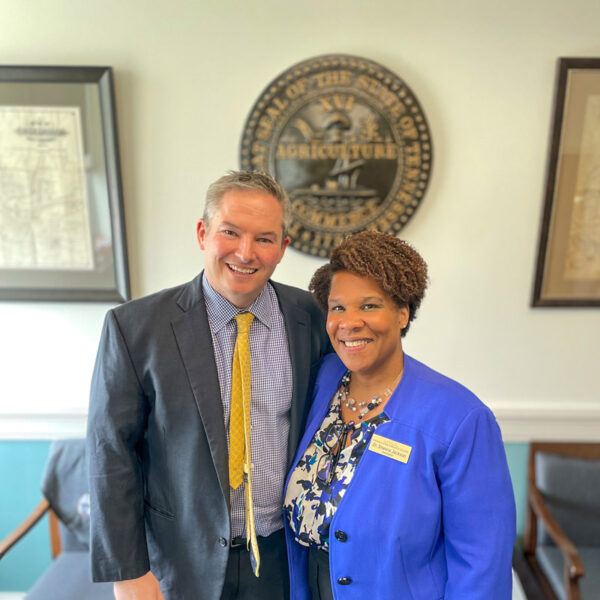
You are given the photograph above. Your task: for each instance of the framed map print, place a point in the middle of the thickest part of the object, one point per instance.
(568, 264)
(62, 230)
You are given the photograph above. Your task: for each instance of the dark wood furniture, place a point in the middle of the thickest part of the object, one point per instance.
(539, 514)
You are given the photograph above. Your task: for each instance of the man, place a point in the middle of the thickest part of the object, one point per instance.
(163, 509)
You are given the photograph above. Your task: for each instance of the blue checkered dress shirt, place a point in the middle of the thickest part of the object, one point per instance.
(271, 401)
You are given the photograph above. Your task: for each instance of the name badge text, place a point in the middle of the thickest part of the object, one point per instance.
(390, 448)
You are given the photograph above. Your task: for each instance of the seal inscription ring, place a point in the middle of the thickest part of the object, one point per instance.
(349, 142)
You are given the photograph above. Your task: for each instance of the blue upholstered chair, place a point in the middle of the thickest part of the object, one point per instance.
(562, 530)
(66, 500)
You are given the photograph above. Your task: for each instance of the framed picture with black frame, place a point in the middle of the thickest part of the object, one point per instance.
(568, 262)
(62, 228)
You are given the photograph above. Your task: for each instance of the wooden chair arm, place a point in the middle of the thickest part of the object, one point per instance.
(574, 566)
(40, 510)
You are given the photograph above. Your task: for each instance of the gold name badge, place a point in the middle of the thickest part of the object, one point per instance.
(390, 448)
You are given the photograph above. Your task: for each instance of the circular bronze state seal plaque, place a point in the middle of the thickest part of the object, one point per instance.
(348, 141)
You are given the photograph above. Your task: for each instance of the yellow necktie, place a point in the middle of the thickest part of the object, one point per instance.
(240, 457)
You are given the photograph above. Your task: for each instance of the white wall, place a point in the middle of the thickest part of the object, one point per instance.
(187, 74)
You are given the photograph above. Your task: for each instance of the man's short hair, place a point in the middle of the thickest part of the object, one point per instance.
(256, 181)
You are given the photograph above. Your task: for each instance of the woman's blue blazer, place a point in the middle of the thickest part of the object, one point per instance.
(440, 525)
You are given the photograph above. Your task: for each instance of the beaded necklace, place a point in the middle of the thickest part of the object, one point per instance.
(365, 406)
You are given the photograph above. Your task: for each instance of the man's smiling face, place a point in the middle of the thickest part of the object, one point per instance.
(243, 243)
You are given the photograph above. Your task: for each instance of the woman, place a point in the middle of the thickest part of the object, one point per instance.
(400, 487)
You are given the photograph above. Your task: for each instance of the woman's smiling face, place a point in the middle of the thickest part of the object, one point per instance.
(364, 324)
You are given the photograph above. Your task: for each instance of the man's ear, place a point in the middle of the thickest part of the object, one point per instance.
(284, 245)
(201, 231)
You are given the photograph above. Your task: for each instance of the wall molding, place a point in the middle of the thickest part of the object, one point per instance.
(50, 426)
(523, 421)
(520, 421)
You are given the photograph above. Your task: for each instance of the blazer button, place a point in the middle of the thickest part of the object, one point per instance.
(344, 580)
(223, 542)
(341, 536)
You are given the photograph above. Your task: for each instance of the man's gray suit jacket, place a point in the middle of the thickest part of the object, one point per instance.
(156, 446)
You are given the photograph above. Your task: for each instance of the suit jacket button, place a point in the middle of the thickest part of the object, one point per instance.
(223, 542)
(344, 581)
(341, 536)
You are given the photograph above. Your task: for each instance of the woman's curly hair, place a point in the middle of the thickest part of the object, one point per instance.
(396, 267)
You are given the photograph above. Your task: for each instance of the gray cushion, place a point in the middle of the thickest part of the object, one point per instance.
(68, 578)
(65, 486)
(551, 561)
(571, 488)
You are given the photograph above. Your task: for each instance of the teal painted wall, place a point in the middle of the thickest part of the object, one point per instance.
(516, 454)
(21, 467)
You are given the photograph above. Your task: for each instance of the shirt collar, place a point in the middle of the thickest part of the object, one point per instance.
(220, 311)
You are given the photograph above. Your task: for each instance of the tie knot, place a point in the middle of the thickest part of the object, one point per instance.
(243, 321)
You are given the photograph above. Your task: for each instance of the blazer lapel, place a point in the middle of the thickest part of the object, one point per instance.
(298, 329)
(194, 339)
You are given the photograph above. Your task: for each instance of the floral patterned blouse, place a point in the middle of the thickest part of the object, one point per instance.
(323, 474)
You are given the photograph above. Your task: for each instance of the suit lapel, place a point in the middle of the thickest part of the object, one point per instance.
(194, 339)
(298, 329)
